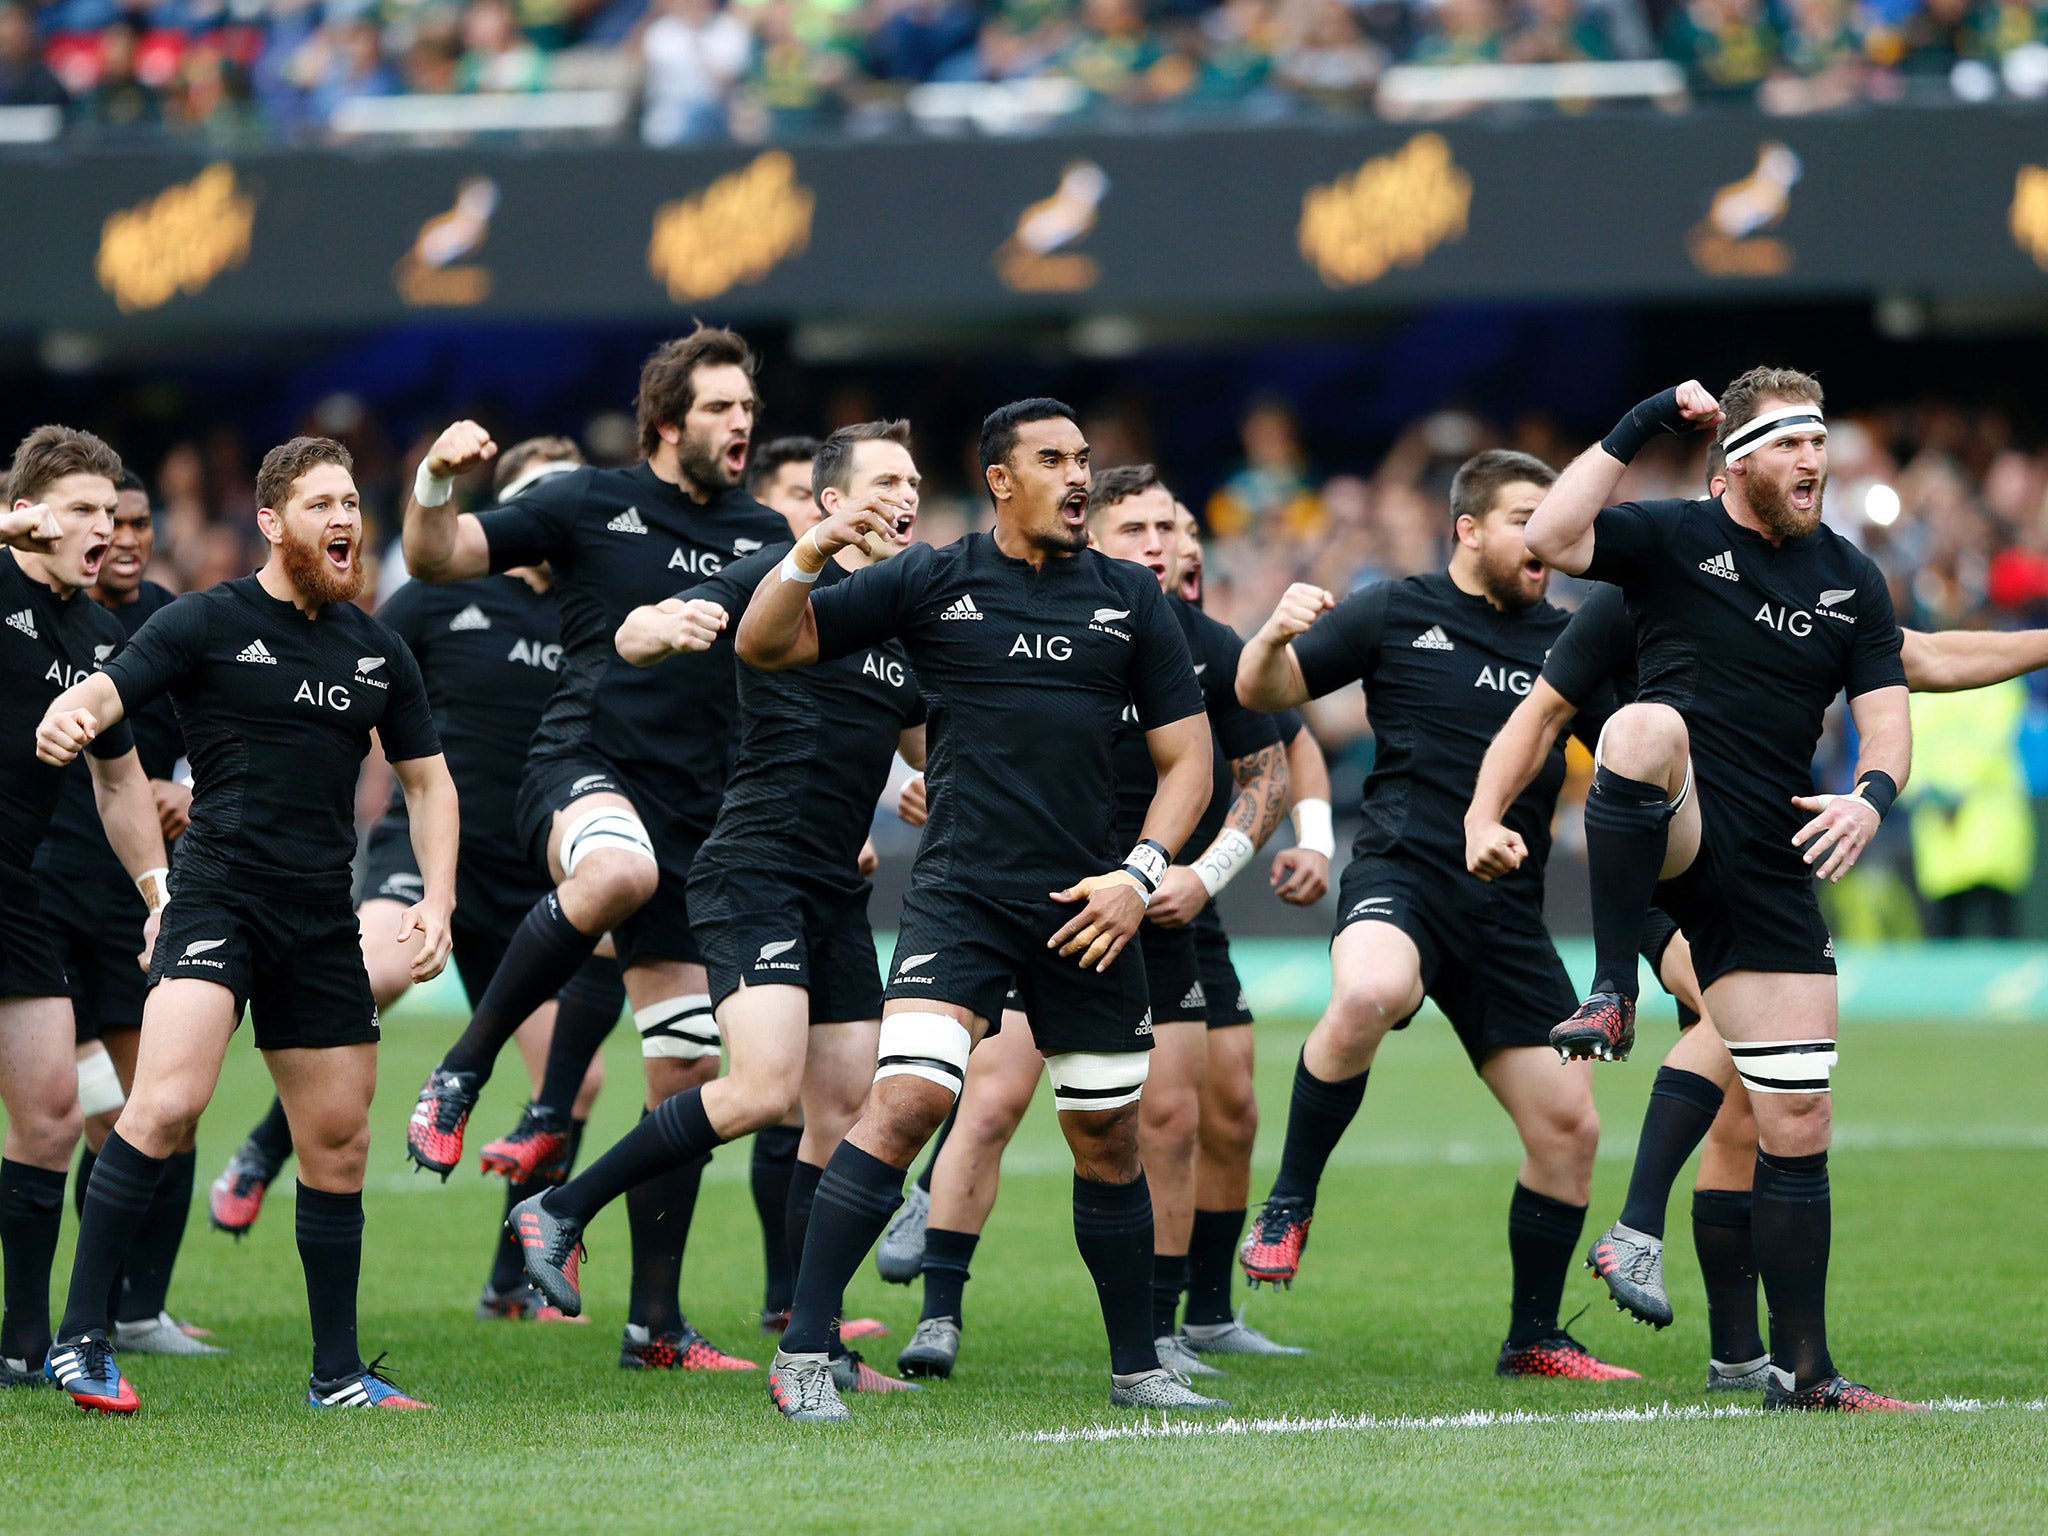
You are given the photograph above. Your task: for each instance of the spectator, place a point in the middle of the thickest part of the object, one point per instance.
(496, 57)
(342, 61)
(919, 38)
(1822, 64)
(792, 86)
(1113, 52)
(1464, 32)
(1238, 59)
(25, 80)
(210, 99)
(691, 52)
(1560, 32)
(1973, 825)
(119, 102)
(1727, 47)
(1271, 493)
(431, 63)
(1325, 55)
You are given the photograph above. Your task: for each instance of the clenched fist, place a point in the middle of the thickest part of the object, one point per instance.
(462, 447)
(1300, 606)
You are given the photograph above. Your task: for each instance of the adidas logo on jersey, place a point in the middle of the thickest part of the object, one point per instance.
(962, 607)
(1194, 998)
(257, 652)
(25, 621)
(1722, 565)
(627, 521)
(471, 617)
(1828, 953)
(1433, 639)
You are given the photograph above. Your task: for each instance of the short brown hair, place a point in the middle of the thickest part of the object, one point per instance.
(284, 464)
(520, 457)
(832, 464)
(1741, 400)
(1110, 486)
(50, 453)
(668, 379)
(1481, 478)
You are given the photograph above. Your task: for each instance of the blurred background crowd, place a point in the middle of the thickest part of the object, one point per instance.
(236, 72)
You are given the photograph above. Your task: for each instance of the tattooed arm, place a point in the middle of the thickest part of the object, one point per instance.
(1254, 815)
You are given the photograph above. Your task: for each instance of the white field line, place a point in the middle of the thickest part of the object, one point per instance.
(1164, 1428)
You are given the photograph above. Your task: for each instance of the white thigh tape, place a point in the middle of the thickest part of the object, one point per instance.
(99, 1086)
(932, 1046)
(1096, 1079)
(680, 1027)
(1784, 1066)
(605, 827)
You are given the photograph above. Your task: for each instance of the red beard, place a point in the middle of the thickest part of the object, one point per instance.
(308, 569)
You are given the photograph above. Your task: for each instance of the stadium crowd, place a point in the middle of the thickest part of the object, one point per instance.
(233, 72)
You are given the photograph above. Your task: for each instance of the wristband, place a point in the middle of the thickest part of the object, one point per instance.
(1877, 790)
(431, 490)
(1659, 413)
(1139, 886)
(1312, 829)
(791, 571)
(1231, 851)
(1146, 863)
(155, 885)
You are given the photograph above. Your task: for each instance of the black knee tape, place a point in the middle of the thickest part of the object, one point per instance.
(1618, 804)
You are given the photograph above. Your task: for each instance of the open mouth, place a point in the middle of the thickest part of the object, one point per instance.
(126, 561)
(1804, 494)
(1532, 570)
(736, 457)
(94, 555)
(1074, 508)
(902, 524)
(341, 552)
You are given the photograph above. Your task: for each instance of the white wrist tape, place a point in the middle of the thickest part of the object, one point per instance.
(431, 490)
(1231, 852)
(791, 571)
(155, 885)
(1312, 829)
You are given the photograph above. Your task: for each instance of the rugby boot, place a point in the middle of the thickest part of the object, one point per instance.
(537, 1149)
(1838, 1394)
(1632, 1264)
(933, 1350)
(1271, 1250)
(1744, 1376)
(553, 1246)
(899, 1256)
(85, 1368)
(1160, 1389)
(1604, 1029)
(235, 1199)
(433, 1137)
(1560, 1356)
(802, 1389)
(682, 1349)
(367, 1388)
(1236, 1337)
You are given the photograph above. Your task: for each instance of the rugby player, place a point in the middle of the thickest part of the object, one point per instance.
(1698, 1099)
(1027, 647)
(1444, 659)
(780, 479)
(778, 901)
(58, 524)
(1750, 616)
(279, 681)
(99, 914)
(1132, 516)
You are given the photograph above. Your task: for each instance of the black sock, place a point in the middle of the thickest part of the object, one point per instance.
(1169, 1279)
(1113, 1229)
(1682, 1107)
(770, 1173)
(31, 1215)
(946, 1257)
(856, 1196)
(272, 1135)
(1316, 1120)
(1727, 1256)
(676, 1132)
(803, 1193)
(331, 1249)
(658, 1213)
(587, 1010)
(931, 1160)
(1791, 1222)
(153, 1253)
(545, 951)
(79, 1180)
(1212, 1265)
(123, 1184)
(1542, 1234)
(1627, 822)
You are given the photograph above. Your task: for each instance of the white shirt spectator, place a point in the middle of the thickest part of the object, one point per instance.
(691, 52)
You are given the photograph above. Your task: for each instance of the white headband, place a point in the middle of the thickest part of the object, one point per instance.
(533, 474)
(1785, 421)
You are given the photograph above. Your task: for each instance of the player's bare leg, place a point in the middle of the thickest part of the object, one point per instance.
(39, 1086)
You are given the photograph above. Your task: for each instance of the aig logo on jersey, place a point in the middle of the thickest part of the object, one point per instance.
(1045, 647)
(1505, 680)
(1786, 621)
(323, 695)
(883, 668)
(698, 562)
(534, 654)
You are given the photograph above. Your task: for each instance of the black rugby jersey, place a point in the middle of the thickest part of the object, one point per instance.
(1593, 664)
(277, 711)
(619, 539)
(1750, 644)
(815, 747)
(77, 873)
(1238, 732)
(1443, 669)
(47, 644)
(1025, 674)
(489, 652)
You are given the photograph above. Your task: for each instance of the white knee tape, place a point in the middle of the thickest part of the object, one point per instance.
(1097, 1080)
(605, 827)
(1784, 1066)
(99, 1085)
(680, 1028)
(932, 1046)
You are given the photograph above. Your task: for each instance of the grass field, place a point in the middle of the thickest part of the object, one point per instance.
(1941, 1242)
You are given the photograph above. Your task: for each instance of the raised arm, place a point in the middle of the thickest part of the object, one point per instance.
(778, 630)
(1268, 672)
(75, 717)
(1845, 824)
(1951, 660)
(128, 812)
(1560, 531)
(1509, 767)
(435, 816)
(440, 543)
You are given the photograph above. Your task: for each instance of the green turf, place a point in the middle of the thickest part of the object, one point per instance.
(1941, 1236)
